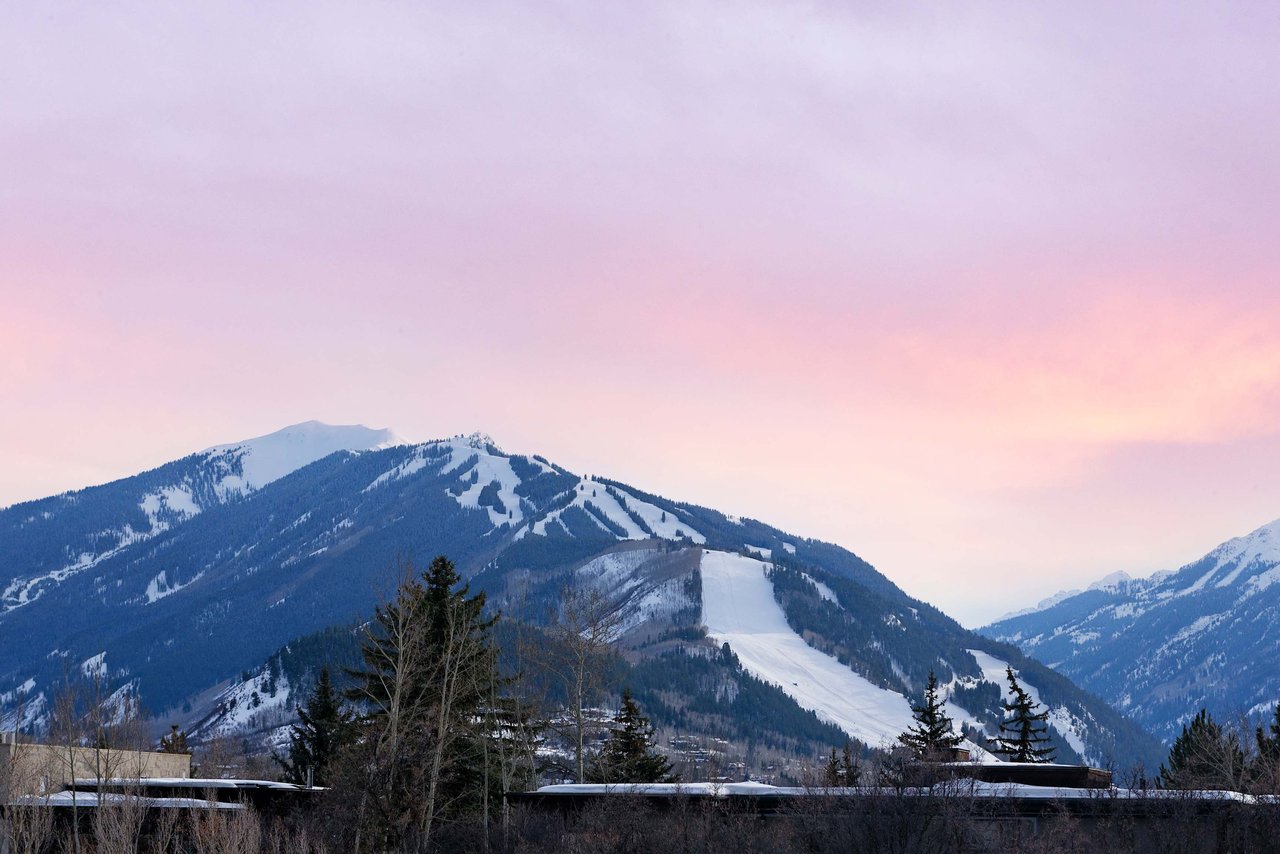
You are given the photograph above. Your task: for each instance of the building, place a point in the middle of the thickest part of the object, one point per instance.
(39, 769)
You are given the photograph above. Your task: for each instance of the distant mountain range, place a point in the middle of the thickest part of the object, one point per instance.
(1160, 648)
(214, 585)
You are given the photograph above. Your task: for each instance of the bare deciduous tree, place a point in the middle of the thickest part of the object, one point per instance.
(584, 629)
(224, 831)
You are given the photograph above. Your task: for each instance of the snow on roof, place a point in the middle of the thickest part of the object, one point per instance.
(951, 788)
(92, 800)
(189, 783)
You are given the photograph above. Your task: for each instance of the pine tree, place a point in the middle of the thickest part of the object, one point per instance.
(931, 737)
(1269, 745)
(628, 754)
(1204, 756)
(1024, 735)
(175, 741)
(831, 774)
(324, 728)
(850, 770)
(1264, 771)
(427, 688)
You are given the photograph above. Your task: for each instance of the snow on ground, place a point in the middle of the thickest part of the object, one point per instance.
(178, 500)
(248, 706)
(24, 591)
(614, 573)
(268, 458)
(160, 587)
(738, 608)
(416, 463)
(489, 468)
(1066, 724)
(590, 491)
(823, 590)
(1199, 583)
(663, 524)
(1200, 624)
(789, 548)
(618, 576)
(31, 712)
(763, 552)
(1258, 548)
(94, 666)
(1261, 581)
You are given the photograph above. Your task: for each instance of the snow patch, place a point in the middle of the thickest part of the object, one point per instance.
(590, 491)
(664, 525)
(160, 586)
(268, 458)
(1065, 723)
(95, 666)
(823, 590)
(413, 465)
(1197, 626)
(738, 608)
(488, 467)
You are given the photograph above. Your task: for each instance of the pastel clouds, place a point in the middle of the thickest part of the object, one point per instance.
(938, 284)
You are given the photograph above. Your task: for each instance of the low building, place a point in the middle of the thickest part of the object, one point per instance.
(37, 769)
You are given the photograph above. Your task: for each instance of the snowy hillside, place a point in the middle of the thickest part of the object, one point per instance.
(739, 608)
(46, 542)
(194, 572)
(268, 458)
(1162, 647)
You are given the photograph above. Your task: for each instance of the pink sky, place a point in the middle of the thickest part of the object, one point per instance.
(988, 295)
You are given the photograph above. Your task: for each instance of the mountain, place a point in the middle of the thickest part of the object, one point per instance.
(1163, 647)
(188, 581)
(44, 543)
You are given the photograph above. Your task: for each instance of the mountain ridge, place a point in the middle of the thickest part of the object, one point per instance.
(1164, 646)
(205, 595)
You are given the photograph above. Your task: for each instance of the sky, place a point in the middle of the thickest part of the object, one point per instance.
(986, 293)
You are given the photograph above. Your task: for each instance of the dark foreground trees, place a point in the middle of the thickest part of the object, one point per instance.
(433, 744)
(1024, 734)
(628, 754)
(324, 729)
(932, 736)
(1205, 756)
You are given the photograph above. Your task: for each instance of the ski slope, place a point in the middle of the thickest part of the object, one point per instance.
(738, 608)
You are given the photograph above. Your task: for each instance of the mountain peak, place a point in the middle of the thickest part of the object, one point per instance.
(272, 456)
(479, 441)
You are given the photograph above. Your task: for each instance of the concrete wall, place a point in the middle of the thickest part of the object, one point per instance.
(33, 769)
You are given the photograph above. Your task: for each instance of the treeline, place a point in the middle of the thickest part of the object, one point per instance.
(433, 733)
(1209, 755)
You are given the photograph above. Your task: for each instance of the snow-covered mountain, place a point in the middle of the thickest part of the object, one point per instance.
(44, 543)
(268, 458)
(185, 577)
(1160, 648)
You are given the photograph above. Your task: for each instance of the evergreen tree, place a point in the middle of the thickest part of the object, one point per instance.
(932, 736)
(1024, 735)
(324, 728)
(175, 741)
(850, 770)
(628, 754)
(831, 774)
(1204, 756)
(1264, 772)
(1269, 745)
(429, 731)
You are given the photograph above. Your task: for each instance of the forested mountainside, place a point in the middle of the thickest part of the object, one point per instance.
(1162, 648)
(179, 604)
